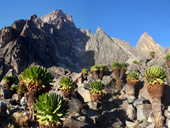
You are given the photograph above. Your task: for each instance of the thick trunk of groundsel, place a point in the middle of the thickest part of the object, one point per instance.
(84, 77)
(122, 73)
(132, 91)
(96, 97)
(153, 56)
(19, 95)
(95, 74)
(116, 73)
(119, 84)
(131, 85)
(101, 72)
(168, 63)
(66, 94)
(156, 107)
(30, 103)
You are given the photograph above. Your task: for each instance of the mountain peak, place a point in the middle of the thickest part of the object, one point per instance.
(99, 29)
(145, 34)
(54, 16)
(146, 44)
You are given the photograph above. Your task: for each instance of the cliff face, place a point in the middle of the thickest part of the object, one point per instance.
(47, 43)
(146, 44)
(101, 49)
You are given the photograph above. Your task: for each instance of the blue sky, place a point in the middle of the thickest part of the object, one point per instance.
(123, 19)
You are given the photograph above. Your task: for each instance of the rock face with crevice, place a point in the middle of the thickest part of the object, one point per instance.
(101, 49)
(52, 40)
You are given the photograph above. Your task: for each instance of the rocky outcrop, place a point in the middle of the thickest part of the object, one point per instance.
(132, 52)
(101, 49)
(168, 50)
(6, 35)
(43, 42)
(146, 44)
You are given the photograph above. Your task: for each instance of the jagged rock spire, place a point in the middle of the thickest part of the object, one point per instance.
(146, 44)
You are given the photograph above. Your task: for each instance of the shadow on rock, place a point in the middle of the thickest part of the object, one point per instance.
(112, 119)
(109, 102)
(139, 86)
(166, 95)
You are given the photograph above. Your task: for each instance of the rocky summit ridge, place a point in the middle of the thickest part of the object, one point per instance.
(54, 40)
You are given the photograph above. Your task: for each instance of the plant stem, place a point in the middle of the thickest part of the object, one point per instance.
(132, 90)
(156, 107)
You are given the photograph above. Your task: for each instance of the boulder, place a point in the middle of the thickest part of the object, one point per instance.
(3, 108)
(131, 99)
(21, 118)
(7, 94)
(143, 93)
(71, 123)
(74, 106)
(131, 112)
(112, 119)
(138, 102)
(81, 119)
(130, 124)
(143, 111)
(168, 123)
(86, 95)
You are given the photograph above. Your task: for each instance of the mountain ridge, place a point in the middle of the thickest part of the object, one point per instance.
(54, 40)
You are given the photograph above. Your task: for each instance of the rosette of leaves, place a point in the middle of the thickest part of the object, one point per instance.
(116, 65)
(168, 56)
(13, 87)
(123, 65)
(96, 87)
(101, 67)
(89, 73)
(94, 68)
(19, 89)
(66, 84)
(9, 81)
(37, 76)
(152, 53)
(133, 76)
(132, 80)
(155, 74)
(84, 71)
(135, 62)
(35, 81)
(50, 109)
